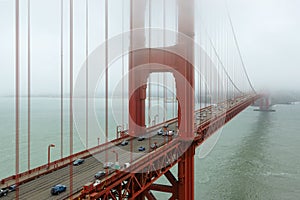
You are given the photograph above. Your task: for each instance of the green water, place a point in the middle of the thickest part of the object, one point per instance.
(257, 155)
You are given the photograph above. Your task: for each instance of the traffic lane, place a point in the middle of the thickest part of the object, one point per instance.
(40, 187)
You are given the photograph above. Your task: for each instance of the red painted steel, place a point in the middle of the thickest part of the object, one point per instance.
(137, 87)
(49, 146)
(186, 175)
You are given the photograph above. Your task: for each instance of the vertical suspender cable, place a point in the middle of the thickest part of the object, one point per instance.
(71, 97)
(158, 102)
(174, 84)
(87, 75)
(200, 77)
(199, 81)
(205, 74)
(28, 87)
(164, 76)
(131, 63)
(219, 39)
(200, 58)
(210, 77)
(106, 75)
(233, 75)
(61, 80)
(123, 71)
(17, 74)
(149, 42)
(222, 56)
(227, 63)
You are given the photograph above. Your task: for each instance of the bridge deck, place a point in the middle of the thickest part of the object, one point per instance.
(39, 188)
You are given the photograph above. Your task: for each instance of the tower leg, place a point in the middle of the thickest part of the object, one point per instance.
(186, 175)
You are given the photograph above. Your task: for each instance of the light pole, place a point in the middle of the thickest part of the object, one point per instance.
(49, 146)
(119, 126)
(156, 116)
(117, 157)
(98, 141)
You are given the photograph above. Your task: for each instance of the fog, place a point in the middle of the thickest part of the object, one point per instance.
(267, 31)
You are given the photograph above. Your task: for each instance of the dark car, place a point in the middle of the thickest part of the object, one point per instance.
(141, 148)
(55, 190)
(12, 187)
(100, 174)
(160, 132)
(124, 142)
(3, 192)
(79, 161)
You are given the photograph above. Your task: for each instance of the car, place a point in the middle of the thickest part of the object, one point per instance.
(3, 192)
(78, 161)
(141, 148)
(12, 187)
(153, 146)
(124, 142)
(165, 133)
(108, 165)
(160, 132)
(97, 182)
(55, 190)
(170, 133)
(141, 138)
(126, 165)
(100, 174)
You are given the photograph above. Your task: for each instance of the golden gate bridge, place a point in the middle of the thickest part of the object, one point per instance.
(173, 73)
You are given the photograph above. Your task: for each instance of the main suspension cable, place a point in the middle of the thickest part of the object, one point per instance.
(238, 47)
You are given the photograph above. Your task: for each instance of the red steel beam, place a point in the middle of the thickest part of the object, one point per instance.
(186, 175)
(162, 188)
(171, 178)
(149, 195)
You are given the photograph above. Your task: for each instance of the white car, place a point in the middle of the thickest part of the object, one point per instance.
(170, 133)
(108, 165)
(126, 165)
(97, 182)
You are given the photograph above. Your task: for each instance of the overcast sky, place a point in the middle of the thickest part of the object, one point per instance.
(267, 30)
(269, 35)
